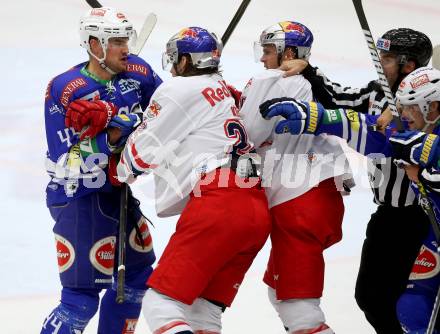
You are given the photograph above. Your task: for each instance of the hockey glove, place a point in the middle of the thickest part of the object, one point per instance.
(415, 148)
(89, 117)
(300, 117)
(126, 123)
(236, 94)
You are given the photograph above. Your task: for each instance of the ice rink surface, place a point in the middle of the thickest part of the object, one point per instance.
(39, 40)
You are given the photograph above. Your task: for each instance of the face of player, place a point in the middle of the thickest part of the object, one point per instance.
(390, 65)
(269, 57)
(117, 54)
(413, 115)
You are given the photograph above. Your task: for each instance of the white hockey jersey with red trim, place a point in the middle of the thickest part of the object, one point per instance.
(184, 135)
(292, 164)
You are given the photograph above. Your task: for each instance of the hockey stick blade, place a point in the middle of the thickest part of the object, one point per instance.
(237, 17)
(144, 33)
(436, 57)
(94, 3)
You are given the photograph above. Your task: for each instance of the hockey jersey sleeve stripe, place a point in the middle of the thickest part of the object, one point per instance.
(332, 95)
(430, 177)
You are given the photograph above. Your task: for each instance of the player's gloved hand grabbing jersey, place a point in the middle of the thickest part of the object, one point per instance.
(89, 117)
(300, 117)
(126, 124)
(415, 148)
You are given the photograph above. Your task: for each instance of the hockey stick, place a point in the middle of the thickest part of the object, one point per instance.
(424, 201)
(120, 293)
(146, 30)
(436, 57)
(237, 17)
(94, 3)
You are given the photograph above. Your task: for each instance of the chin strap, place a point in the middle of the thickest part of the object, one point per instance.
(101, 62)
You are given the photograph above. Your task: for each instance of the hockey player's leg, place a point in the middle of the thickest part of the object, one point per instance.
(122, 318)
(84, 233)
(414, 312)
(300, 316)
(415, 305)
(205, 317)
(164, 314)
(299, 237)
(74, 312)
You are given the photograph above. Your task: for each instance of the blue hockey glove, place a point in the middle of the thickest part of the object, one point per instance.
(415, 148)
(126, 123)
(300, 117)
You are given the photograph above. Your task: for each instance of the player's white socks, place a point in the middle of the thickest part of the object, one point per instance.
(205, 317)
(300, 316)
(165, 315)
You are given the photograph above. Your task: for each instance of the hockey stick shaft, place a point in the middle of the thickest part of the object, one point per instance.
(94, 3)
(120, 294)
(426, 205)
(235, 20)
(436, 57)
(144, 33)
(146, 30)
(434, 313)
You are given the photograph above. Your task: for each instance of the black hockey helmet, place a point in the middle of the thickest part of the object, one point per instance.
(407, 43)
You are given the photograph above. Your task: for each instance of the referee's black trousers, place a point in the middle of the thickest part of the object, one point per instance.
(393, 239)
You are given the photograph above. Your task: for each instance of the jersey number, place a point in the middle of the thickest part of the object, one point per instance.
(234, 129)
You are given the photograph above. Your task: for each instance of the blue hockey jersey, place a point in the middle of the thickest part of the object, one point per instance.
(77, 168)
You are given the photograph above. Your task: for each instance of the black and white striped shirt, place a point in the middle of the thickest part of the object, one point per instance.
(390, 184)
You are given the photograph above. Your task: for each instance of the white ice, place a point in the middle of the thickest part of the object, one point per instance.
(39, 40)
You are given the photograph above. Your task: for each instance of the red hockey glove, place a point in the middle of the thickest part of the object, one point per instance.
(236, 94)
(89, 117)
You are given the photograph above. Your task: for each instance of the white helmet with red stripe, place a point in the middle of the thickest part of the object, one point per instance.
(420, 87)
(104, 23)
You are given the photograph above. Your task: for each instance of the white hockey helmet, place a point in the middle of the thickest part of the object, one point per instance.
(104, 23)
(420, 87)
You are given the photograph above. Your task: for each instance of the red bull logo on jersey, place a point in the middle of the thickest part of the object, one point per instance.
(147, 243)
(187, 33)
(102, 255)
(65, 253)
(120, 16)
(214, 95)
(426, 264)
(419, 81)
(290, 26)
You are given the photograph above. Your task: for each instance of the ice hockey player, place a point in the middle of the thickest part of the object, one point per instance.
(195, 144)
(295, 270)
(380, 283)
(419, 153)
(107, 90)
